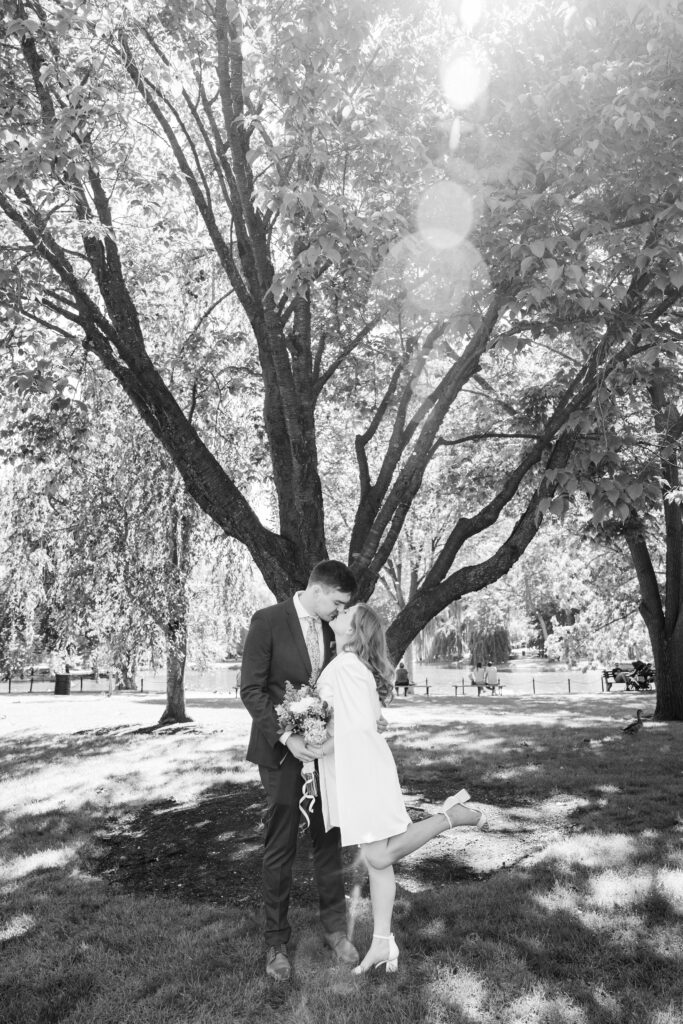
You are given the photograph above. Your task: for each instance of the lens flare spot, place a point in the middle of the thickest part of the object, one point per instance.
(471, 13)
(418, 280)
(444, 215)
(464, 77)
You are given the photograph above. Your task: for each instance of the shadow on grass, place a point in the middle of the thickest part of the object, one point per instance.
(551, 942)
(556, 939)
(586, 929)
(210, 850)
(19, 756)
(521, 755)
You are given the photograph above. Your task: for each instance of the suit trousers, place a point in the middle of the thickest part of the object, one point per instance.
(283, 792)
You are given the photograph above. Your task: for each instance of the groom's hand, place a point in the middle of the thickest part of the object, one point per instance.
(297, 745)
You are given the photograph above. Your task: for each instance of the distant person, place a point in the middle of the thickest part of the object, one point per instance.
(478, 678)
(491, 677)
(402, 680)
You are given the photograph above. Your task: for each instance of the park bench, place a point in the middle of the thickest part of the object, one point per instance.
(632, 675)
(495, 688)
(412, 687)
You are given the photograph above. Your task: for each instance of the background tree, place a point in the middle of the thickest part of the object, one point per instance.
(98, 541)
(635, 495)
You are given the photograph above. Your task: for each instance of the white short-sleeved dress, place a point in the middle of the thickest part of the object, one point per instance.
(359, 786)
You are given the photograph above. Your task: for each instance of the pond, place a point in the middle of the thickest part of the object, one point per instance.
(523, 675)
(519, 676)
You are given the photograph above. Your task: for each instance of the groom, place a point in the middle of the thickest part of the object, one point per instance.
(291, 642)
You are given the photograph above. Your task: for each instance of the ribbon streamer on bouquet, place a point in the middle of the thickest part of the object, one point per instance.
(308, 793)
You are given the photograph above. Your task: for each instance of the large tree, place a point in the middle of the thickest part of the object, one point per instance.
(634, 487)
(335, 176)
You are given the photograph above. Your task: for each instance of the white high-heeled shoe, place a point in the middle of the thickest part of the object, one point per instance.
(391, 961)
(460, 799)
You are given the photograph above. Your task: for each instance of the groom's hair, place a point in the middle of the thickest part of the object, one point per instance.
(334, 576)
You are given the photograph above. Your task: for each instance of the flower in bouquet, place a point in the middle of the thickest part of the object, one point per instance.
(302, 711)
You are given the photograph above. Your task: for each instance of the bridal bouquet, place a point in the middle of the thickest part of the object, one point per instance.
(303, 711)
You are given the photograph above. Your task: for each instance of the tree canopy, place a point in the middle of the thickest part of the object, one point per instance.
(429, 245)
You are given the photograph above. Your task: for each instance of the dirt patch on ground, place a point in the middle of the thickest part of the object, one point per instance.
(212, 851)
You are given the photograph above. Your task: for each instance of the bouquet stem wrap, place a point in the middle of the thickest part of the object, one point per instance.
(309, 791)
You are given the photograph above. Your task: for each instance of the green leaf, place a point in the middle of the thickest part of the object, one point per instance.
(553, 269)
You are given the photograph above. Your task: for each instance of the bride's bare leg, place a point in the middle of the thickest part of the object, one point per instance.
(389, 851)
(382, 895)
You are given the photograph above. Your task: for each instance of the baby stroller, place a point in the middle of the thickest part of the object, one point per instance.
(642, 677)
(639, 677)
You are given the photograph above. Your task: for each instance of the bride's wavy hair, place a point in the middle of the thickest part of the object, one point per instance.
(368, 642)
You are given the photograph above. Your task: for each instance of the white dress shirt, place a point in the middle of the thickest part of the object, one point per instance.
(303, 615)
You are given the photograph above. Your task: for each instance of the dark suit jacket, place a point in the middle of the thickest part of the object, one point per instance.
(275, 652)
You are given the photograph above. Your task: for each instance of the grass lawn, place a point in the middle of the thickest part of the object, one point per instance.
(130, 863)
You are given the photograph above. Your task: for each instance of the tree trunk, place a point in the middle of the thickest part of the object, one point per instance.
(667, 651)
(668, 655)
(180, 532)
(664, 627)
(175, 674)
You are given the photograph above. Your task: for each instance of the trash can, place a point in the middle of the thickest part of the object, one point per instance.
(62, 683)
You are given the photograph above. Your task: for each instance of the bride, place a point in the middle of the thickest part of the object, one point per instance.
(359, 786)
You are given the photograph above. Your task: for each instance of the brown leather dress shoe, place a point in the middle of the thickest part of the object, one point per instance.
(278, 966)
(344, 951)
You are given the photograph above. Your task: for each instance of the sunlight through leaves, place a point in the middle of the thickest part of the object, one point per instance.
(464, 76)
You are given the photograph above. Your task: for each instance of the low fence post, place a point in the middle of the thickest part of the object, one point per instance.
(569, 686)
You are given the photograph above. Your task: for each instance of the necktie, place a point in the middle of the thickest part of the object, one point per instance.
(313, 645)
